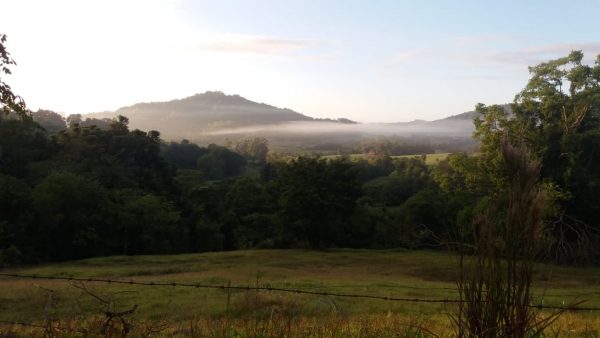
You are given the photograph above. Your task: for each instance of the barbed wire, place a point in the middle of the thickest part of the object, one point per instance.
(275, 289)
(542, 294)
(22, 324)
(38, 326)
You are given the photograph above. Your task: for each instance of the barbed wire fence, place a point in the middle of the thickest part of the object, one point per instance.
(270, 288)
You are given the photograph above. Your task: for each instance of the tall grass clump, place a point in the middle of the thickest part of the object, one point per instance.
(496, 263)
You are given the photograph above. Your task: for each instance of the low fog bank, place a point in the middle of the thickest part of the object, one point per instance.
(439, 136)
(447, 128)
(214, 117)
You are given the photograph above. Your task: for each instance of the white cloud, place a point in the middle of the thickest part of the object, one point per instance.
(533, 55)
(471, 40)
(266, 48)
(406, 56)
(256, 44)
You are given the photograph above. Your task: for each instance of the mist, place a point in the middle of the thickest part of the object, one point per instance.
(438, 128)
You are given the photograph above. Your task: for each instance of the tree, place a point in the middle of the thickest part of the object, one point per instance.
(255, 150)
(51, 122)
(14, 216)
(219, 163)
(72, 217)
(557, 116)
(10, 103)
(248, 214)
(316, 198)
(22, 142)
(146, 223)
(182, 155)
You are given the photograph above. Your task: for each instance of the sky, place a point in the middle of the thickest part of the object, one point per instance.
(370, 61)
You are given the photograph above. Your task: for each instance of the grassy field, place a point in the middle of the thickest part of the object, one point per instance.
(414, 274)
(431, 159)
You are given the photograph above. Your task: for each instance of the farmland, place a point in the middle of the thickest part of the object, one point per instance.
(430, 159)
(388, 273)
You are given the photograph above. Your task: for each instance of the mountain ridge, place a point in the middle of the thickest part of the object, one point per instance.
(206, 112)
(214, 114)
(217, 100)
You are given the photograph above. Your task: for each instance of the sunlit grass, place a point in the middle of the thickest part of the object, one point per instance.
(430, 159)
(414, 274)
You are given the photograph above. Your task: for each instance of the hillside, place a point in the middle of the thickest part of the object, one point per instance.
(215, 116)
(205, 113)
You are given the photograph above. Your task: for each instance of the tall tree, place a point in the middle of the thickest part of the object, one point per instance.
(316, 198)
(557, 115)
(255, 150)
(10, 103)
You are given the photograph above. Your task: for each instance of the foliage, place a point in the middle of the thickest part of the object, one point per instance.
(316, 198)
(51, 122)
(147, 223)
(72, 212)
(219, 162)
(10, 103)
(254, 150)
(557, 116)
(182, 155)
(395, 147)
(71, 195)
(76, 120)
(496, 283)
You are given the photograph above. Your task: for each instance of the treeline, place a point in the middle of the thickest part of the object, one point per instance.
(88, 191)
(395, 147)
(399, 145)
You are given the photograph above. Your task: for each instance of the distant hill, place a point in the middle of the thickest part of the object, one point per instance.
(214, 117)
(470, 115)
(205, 113)
(460, 125)
(457, 125)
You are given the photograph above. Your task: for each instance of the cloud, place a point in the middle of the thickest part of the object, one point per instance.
(406, 56)
(260, 45)
(471, 40)
(564, 47)
(533, 55)
(475, 77)
(398, 60)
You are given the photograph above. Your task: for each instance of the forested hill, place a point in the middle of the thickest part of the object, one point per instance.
(205, 112)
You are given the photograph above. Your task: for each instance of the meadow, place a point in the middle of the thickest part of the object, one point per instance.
(430, 159)
(171, 310)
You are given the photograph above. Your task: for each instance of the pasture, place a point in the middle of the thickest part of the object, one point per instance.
(410, 274)
(430, 159)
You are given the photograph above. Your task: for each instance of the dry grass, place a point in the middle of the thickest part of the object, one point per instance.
(183, 311)
(281, 324)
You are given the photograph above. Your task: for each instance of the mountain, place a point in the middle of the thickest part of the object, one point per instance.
(469, 116)
(205, 113)
(214, 117)
(460, 125)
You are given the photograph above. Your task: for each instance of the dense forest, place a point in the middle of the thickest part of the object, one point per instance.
(93, 188)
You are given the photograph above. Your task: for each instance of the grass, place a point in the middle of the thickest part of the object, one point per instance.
(414, 274)
(430, 159)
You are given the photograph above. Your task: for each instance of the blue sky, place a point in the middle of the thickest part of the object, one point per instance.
(365, 60)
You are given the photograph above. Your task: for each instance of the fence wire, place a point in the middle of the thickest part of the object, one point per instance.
(275, 289)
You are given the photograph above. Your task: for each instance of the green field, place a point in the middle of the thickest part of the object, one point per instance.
(430, 159)
(414, 274)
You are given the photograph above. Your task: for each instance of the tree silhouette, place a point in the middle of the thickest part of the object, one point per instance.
(10, 103)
